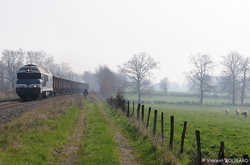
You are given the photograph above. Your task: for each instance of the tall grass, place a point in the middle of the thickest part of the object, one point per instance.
(35, 137)
(149, 149)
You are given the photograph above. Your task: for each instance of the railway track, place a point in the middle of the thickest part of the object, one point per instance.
(8, 100)
(10, 110)
(11, 104)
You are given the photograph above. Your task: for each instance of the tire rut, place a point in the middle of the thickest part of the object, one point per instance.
(126, 151)
(69, 154)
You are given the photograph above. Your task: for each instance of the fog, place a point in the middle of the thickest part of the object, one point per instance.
(87, 34)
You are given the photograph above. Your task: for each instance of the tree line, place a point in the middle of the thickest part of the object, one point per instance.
(104, 80)
(135, 74)
(233, 80)
(12, 60)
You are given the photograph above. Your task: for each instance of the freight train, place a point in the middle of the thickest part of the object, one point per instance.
(35, 82)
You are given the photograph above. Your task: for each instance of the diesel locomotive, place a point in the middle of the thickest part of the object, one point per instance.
(35, 82)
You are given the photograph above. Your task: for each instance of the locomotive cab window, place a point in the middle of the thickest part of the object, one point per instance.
(28, 75)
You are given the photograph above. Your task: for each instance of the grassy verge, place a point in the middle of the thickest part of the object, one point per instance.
(147, 149)
(33, 138)
(211, 121)
(98, 145)
(8, 94)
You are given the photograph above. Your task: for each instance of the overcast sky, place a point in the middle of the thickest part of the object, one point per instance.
(89, 33)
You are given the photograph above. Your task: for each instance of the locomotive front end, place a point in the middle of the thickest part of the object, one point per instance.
(32, 82)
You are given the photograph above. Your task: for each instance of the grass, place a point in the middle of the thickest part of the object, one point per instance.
(148, 150)
(177, 97)
(8, 94)
(33, 138)
(214, 127)
(37, 136)
(98, 145)
(213, 124)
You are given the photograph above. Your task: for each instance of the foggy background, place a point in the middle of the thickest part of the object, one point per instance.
(89, 33)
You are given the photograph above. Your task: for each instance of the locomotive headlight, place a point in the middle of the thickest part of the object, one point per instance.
(36, 86)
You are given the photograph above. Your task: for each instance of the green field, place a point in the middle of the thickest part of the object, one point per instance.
(181, 97)
(210, 120)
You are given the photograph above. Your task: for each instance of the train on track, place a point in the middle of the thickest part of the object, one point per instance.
(34, 82)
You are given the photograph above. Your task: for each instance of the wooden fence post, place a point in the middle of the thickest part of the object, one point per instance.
(138, 111)
(149, 111)
(162, 126)
(221, 153)
(171, 132)
(198, 140)
(183, 136)
(142, 113)
(155, 120)
(128, 110)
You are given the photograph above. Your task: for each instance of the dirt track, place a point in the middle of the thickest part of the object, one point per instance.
(69, 154)
(126, 150)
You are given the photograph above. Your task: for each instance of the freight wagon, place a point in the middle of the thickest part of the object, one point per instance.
(35, 82)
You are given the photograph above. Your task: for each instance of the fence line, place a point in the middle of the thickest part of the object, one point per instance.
(140, 118)
(183, 136)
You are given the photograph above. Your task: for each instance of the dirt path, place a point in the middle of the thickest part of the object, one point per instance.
(69, 153)
(127, 155)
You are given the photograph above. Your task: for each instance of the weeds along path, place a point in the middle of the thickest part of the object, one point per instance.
(69, 153)
(127, 155)
(48, 134)
(103, 142)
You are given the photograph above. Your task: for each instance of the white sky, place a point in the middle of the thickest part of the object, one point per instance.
(89, 33)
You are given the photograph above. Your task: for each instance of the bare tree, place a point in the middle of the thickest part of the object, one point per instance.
(106, 79)
(122, 82)
(12, 61)
(2, 82)
(245, 78)
(200, 75)
(232, 74)
(164, 85)
(41, 59)
(63, 70)
(138, 69)
(90, 78)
